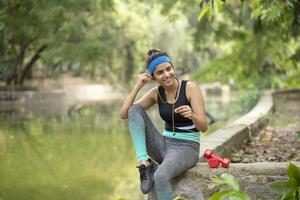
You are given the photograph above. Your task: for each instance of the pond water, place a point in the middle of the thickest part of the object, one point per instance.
(86, 154)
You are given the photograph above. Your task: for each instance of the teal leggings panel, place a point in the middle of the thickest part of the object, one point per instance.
(136, 126)
(193, 136)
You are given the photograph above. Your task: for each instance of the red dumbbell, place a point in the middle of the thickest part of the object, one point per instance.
(213, 162)
(214, 159)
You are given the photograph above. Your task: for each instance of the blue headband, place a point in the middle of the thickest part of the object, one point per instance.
(154, 63)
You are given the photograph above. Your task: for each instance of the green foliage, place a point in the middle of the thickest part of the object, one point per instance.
(233, 193)
(209, 8)
(227, 179)
(178, 197)
(249, 97)
(289, 189)
(59, 27)
(251, 50)
(104, 39)
(242, 42)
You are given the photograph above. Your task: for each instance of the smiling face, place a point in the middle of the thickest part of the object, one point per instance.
(164, 74)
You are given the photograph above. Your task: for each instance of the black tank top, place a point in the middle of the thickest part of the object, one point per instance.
(181, 124)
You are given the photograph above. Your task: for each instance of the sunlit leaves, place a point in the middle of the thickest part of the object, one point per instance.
(289, 188)
(264, 45)
(203, 12)
(210, 8)
(234, 191)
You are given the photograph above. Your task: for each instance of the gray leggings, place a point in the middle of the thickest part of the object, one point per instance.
(174, 156)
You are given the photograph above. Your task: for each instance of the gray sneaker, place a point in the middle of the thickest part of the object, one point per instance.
(146, 177)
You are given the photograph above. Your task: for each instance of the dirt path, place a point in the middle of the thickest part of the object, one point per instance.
(280, 140)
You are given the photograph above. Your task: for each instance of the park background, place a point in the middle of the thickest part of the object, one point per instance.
(65, 66)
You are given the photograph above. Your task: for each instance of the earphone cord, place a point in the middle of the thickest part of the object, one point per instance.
(173, 108)
(173, 119)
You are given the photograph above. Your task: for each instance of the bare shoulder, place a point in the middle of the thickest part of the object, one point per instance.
(192, 86)
(153, 93)
(192, 89)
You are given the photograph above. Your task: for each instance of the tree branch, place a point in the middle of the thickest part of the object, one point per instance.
(35, 57)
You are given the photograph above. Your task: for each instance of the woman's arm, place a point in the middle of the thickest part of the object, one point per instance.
(197, 110)
(146, 101)
(198, 106)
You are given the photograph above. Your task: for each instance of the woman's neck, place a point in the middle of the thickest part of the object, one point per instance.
(172, 88)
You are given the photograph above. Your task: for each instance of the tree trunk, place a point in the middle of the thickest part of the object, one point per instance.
(28, 67)
(130, 62)
(16, 76)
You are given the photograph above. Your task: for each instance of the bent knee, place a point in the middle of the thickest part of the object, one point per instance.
(161, 178)
(135, 108)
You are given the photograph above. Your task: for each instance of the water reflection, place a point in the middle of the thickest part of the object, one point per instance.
(85, 156)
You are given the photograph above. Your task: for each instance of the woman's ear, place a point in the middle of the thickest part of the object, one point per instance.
(153, 76)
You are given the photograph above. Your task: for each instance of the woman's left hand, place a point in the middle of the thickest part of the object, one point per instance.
(185, 110)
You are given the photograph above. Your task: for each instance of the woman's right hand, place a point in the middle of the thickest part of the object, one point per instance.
(143, 79)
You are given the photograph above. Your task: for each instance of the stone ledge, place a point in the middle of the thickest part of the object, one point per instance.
(234, 135)
(254, 178)
(236, 169)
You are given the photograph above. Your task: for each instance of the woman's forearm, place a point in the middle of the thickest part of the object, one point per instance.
(129, 101)
(199, 122)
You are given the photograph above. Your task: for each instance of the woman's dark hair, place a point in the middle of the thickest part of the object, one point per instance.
(152, 54)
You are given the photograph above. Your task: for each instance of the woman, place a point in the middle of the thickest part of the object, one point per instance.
(181, 106)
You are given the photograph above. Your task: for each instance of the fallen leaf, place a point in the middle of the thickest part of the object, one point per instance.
(266, 136)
